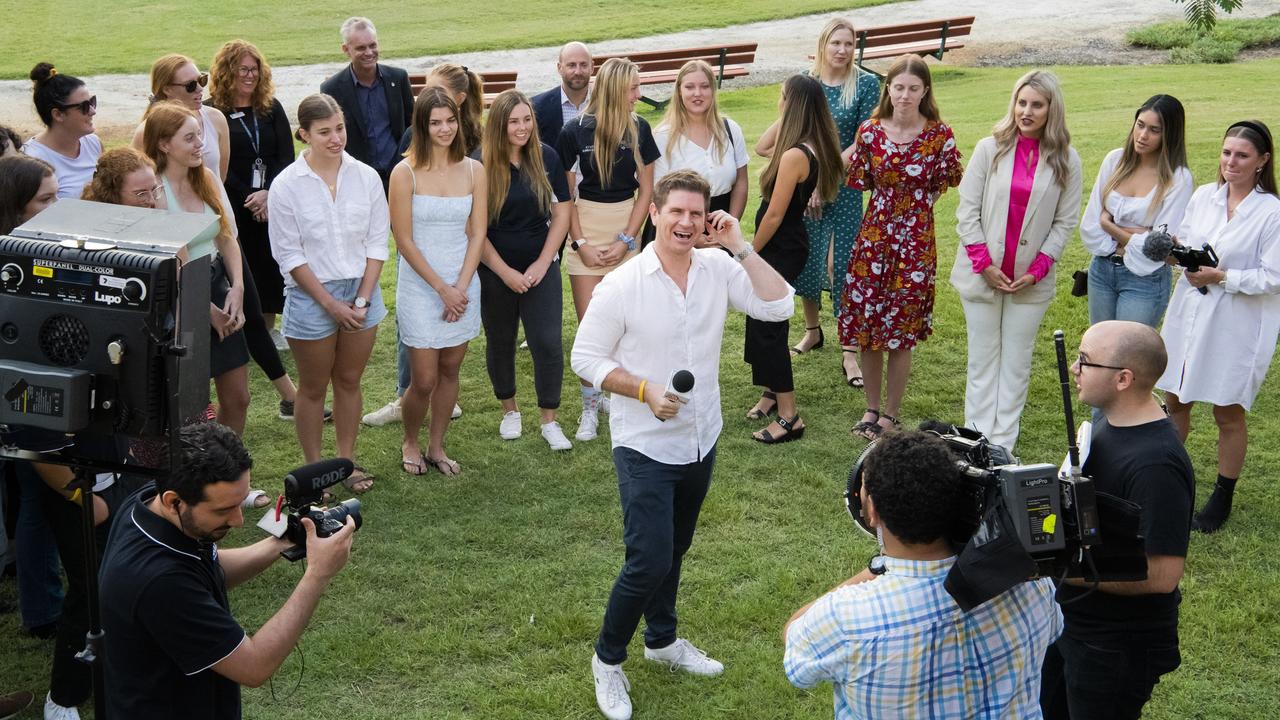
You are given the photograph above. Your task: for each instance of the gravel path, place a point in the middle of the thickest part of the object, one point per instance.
(1030, 32)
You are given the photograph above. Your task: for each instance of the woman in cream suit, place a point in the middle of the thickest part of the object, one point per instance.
(1019, 202)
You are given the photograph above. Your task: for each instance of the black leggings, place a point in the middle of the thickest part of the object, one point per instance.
(540, 310)
(256, 333)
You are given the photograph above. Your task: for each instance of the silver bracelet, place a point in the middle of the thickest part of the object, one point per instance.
(744, 253)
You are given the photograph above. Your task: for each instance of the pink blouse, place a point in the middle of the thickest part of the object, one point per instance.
(1025, 159)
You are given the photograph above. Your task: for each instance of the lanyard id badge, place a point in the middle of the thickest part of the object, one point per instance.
(259, 174)
(259, 180)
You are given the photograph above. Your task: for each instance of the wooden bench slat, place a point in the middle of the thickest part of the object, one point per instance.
(681, 53)
(913, 37)
(669, 76)
(677, 63)
(896, 51)
(911, 27)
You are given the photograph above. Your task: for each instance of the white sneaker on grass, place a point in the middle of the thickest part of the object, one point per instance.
(682, 655)
(588, 424)
(554, 436)
(54, 711)
(387, 414)
(611, 690)
(510, 428)
(457, 412)
(604, 403)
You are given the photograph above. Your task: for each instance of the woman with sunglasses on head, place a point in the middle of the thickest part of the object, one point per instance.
(329, 235)
(907, 157)
(174, 140)
(440, 232)
(1221, 327)
(68, 144)
(176, 77)
(1019, 201)
(519, 275)
(1142, 186)
(810, 165)
(613, 197)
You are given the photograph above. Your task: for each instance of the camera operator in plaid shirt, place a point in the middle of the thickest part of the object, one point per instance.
(892, 642)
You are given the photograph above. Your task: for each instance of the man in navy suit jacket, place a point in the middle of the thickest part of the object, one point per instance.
(376, 99)
(549, 108)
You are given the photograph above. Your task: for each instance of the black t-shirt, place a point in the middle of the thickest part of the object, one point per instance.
(1147, 465)
(520, 231)
(167, 620)
(577, 143)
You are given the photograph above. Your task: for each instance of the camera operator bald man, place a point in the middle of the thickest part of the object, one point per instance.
(892, 641)
(1122, 637)
(173, 650)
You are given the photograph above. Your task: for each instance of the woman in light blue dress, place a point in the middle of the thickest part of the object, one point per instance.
(438, 200)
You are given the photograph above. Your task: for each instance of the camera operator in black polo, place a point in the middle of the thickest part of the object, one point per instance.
(173, 649)
(1122, 637)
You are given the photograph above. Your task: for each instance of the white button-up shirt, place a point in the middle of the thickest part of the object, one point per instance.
(640, 321)
(333, 234)
(720, 171)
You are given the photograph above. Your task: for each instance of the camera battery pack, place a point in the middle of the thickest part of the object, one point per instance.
(44, 397)
(1033, 495)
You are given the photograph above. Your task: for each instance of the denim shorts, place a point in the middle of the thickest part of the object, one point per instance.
(305, 319)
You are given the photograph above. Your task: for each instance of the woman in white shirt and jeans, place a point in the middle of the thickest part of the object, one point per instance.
(329, 228)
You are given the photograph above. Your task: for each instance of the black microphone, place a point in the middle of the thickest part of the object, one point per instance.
(305, 485)
(679, 385)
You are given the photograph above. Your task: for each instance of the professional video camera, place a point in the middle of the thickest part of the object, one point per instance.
(1160, 245)
(303, 494)
(1020, 522)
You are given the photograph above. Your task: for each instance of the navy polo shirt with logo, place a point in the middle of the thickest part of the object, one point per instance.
(167, 620)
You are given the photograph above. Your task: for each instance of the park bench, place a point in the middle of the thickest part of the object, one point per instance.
(932, 37)
(495, 81)
(660, 67)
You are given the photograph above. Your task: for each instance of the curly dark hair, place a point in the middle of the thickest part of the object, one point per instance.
(913, 480)
(9, 134)
(211, 453)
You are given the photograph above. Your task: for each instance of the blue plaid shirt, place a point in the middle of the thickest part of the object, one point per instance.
(899, 646)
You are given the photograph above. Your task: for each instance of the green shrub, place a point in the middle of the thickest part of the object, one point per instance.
(1206, 50)
(1220, 45)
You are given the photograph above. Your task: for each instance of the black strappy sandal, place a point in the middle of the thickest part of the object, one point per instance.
(821, 341)
(756, 413)
(868, 429)
(790, 432)
(856, 380)
(894, 424)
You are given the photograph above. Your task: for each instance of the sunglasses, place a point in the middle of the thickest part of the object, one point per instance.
(85, 106)
(190, 87)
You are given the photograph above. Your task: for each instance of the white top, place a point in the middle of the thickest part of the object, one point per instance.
(720, 170)
(1132, 211)
(73, 173)
(1220, 345)
(333, 236)
(212, 151)
(640, 321)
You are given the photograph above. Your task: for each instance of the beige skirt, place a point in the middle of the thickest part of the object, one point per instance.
(601, 223)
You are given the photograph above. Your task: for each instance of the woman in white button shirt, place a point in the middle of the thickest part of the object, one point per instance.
(329, 227)
(1143, 185)
(1220, 330)
(695, 136)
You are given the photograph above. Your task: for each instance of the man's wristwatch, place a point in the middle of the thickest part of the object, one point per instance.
(743, 253)
(361, 303)
(575, 244)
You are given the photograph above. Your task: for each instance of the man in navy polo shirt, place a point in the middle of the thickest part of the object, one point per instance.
(173, 650)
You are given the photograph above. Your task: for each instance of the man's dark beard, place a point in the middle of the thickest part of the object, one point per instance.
(188, 524)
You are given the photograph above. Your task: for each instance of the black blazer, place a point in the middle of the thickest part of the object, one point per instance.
(395, 81)
(546, 112)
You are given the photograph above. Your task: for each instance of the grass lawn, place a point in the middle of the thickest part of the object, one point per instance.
(292, 35)
(1219, 45)
(480, 596)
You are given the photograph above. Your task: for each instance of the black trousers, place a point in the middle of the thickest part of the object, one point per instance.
(1105, 678)
(765, 346)
(256, 333)
(540, 310)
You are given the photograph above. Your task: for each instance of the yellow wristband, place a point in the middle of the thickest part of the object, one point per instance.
(642, 384)
(75, 496)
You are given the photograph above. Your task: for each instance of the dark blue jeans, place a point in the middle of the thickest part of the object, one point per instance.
(660, 506)
(1105, 678)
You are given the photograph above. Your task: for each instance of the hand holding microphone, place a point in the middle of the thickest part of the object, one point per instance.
(666, 404)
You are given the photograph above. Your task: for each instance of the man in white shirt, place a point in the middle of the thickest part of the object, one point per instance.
(662, 312)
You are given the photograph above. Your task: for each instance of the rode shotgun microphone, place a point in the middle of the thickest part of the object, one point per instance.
(305, 485)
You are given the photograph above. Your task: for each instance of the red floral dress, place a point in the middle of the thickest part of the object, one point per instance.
(889, 285)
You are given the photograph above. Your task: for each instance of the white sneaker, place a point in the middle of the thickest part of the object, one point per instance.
(387, 414)
(457, 412)
(281, 344)
(588, 424)
(54, 711)
(611, 690)
(604, 403)
(682, 655)
(510, 428)
(554, 436)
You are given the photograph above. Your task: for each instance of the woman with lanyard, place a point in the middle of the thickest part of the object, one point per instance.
(1223, 321)
(614, 149)
(519, 275)
(695, 136)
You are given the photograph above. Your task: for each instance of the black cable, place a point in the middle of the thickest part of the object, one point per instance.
(302, 669)
(1088, 556)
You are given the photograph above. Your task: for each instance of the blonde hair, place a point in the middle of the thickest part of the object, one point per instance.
(615, 121)
(908, 65)
(497, 153)
(224, 74)
(676, 120)
(419, 152)
(806, 118)
(1055, 139)
(848, 88)
(164, 120)
(458, 79)
(113, 167)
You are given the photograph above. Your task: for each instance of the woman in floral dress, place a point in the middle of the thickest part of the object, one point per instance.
(907, 157)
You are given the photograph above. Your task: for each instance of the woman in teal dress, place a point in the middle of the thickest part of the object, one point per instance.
(851, 95)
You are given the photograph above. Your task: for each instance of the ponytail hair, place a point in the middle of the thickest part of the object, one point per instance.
(50, 90)
(459, 79)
